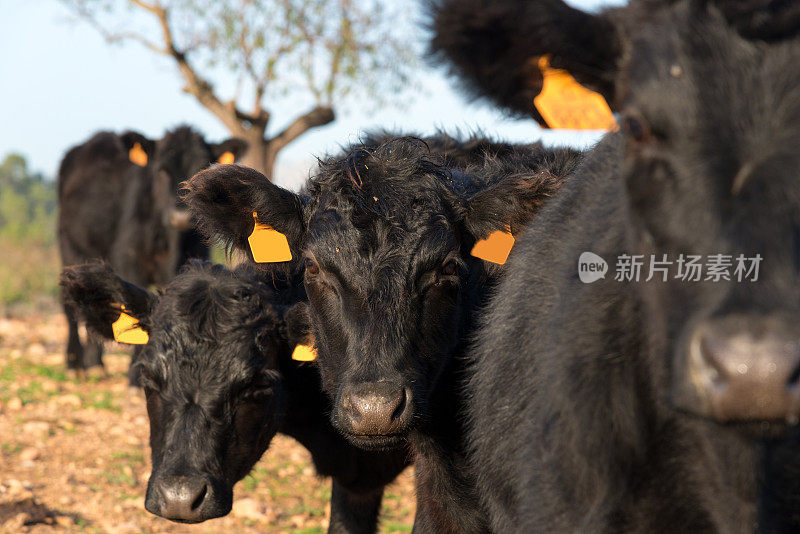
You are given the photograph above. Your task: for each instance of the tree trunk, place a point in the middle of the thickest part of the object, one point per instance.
(262, 153)
(256, 155)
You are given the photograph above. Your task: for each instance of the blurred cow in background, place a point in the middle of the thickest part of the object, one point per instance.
(117, 202)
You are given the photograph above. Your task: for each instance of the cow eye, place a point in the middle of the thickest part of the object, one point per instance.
(146, 381)
(311, 266)
(450, 268)
(636, 128)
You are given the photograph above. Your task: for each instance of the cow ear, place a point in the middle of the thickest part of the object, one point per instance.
(496, 214)
(229, 151)
(140, 149)
(242, 208)
(109, 305)
(495, 48)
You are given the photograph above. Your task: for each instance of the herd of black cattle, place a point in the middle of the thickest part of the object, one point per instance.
(527, 399)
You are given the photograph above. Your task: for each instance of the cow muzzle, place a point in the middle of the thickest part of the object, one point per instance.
(374, 411)
(185, 499)
(743, 369)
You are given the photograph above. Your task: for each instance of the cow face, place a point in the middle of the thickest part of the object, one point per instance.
(210, 373)
(177, 156)
(385, 234)
(711, 122)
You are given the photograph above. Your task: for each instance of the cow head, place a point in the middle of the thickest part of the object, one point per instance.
(215, 396)
(177, 156)
(386, 234)
(711, 122)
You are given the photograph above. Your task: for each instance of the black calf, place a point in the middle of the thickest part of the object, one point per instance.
(220, 382)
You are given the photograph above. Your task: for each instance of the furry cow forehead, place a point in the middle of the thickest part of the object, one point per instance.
(689, 71)
(382, 181)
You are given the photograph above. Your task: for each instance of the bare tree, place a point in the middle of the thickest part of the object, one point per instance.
(328, 51)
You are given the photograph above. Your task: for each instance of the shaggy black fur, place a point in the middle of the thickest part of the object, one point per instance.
(114, 210)
(492, 46)
(220, 382)
(386, 232)
(573, 400)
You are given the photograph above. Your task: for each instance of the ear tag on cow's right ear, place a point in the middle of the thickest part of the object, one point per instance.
(127, 330)
(564, 103)
(494, 248)
(226, 158)
(304, 353)
(268, 245)
(137, 155)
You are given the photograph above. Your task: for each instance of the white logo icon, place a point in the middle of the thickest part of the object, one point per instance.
(591, 267)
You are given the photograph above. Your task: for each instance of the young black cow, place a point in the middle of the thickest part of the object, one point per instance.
(386, 233)
(617, 406)
(220, 382)
(117, 202)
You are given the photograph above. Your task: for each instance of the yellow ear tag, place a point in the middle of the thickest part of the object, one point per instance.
(137, 155)
(564, 103)
(494, 248)
(304, 353)
(127, 330)
(226, 158)
(268, 245)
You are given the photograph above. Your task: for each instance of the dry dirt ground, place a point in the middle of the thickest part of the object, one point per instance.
(74, 455)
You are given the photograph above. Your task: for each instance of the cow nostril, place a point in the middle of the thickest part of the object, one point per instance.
(401, 405)
(714, 370)
(198, 500)
(794, 378)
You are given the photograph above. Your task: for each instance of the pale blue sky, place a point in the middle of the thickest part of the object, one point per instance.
(61, 82)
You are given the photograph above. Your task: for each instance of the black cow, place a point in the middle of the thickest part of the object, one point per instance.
(386, 234)
(666, 405)
(493, 46)
(220, 382)
(117, 202)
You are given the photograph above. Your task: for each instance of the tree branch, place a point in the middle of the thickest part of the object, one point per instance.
(319, 116)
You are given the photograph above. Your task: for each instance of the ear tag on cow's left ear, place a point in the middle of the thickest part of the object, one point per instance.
(304, 353)
(226, 158)
(137, 155)
(564, 103)
(494, 248)
(268, 245)
(127, 330)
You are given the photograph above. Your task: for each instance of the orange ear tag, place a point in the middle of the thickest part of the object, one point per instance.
(494, 248)
(268, 245)
(127, 330)
(304, 353)
(137, 155)
(226, 158)
(564, 103)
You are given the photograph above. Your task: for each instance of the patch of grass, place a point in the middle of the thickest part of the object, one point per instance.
(31, 393)
(308, 530)
(102, 400)
(13, 449)
(396, 527)
(120, 478)
(8, 373)
(304, 508)
(51, 373)
(28, 273)
(249, 483)
(128, 456)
